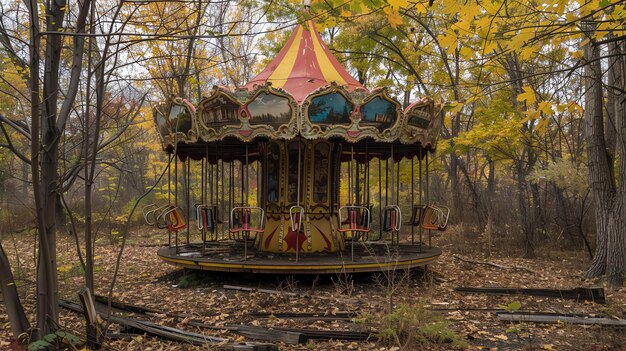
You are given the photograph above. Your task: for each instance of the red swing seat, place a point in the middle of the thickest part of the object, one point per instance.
(244, 225)
(354, 214)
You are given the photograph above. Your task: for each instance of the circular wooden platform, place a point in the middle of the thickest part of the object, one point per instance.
(368, 257)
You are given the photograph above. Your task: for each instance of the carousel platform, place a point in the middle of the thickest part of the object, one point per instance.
(368, 257)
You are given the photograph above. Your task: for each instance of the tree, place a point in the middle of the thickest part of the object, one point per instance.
(605, 147)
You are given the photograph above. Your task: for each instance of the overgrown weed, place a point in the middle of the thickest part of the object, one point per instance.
(411, 326)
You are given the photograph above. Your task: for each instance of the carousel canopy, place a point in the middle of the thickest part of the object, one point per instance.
(304, 65)
(303, 92)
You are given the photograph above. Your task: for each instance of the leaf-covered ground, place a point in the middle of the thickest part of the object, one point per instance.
(420, 310)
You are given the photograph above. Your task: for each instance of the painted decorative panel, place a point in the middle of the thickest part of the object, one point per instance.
(333, 112)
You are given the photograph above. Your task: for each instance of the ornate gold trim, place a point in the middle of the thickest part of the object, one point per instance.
(354, 131)
(424, 111)
(244, 130)
(175, 137)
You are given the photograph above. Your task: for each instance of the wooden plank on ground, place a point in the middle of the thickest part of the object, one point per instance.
(175, 334)
(330, 316)
(260, 333)
(137, 309)
(255, 332)
(331, 334)
(266, 291)
(252, 332)
(579, 294)
(288, 293)
(552, 318)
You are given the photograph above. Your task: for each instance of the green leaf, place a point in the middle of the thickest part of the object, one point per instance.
(68, 338)
(512, 307)
(50, 337)
(605, 3)
(38, 345)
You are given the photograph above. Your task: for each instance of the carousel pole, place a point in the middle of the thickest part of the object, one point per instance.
(203, 182)
(258, 179)
(244, 182)
(176, 196)
(219, 201)
(386, 183)
(366, 186)
(380, 198)
(398, 200)
(297, 230)
(351, 194)
(412, 197)
(421, 232)
(231, 189)
(207, 195)
(169, 195)
(393, 194)
(187, 195)
(350, 176)
(428, 200)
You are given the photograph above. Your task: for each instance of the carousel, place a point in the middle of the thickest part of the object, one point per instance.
(302, 170)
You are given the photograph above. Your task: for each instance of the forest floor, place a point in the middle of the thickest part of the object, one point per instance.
(424, 305)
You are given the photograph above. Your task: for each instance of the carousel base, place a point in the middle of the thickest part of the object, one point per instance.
(368, 257)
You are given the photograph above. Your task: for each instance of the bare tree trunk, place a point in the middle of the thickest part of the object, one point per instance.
(47, 125)
(45, 260)
(525, 222)
(17, 318)
(616, 240)
(600, 165)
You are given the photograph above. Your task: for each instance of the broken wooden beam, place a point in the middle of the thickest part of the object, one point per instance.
(175, 334)
(94, 332)
(122, 306)
(328, 316)
(266, 291)
(286, 335)
(303, 334)
(551, 318)
(254, 332)
(330, 334)
(579, 294)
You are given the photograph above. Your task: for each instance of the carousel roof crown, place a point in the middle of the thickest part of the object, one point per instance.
(305, 92)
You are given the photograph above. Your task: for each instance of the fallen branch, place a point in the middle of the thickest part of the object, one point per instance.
(579, 294)
(491, 264)
(552, 318)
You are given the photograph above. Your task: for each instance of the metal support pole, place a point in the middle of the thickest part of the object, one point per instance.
(187, 195)
(428, 200)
